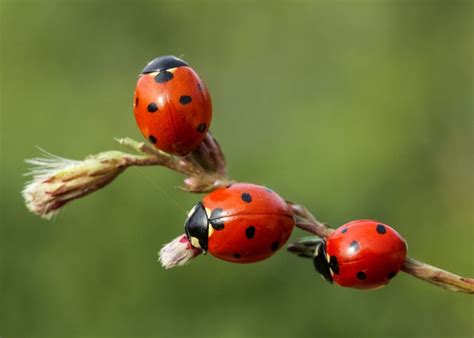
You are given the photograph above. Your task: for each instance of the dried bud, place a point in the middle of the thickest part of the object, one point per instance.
(177, 253)
(57, 180)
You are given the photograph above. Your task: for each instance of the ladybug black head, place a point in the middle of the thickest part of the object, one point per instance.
(197, 227)
(163, 63)
(321, 263)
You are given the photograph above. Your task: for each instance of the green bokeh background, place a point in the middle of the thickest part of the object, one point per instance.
(355, 109)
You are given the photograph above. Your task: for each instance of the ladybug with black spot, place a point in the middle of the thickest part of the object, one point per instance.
(172, 105)
(242, 223)
(363, 254)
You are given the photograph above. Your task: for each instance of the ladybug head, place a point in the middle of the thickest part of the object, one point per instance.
(320, 261)
(197, 227)
(163, 63)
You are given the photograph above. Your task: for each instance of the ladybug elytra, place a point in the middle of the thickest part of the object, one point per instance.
(363, 254)
(172, 105)
(242, 223)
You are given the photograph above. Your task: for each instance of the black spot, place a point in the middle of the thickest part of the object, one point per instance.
(353, 247)
(163, 76)
(250, 232)
(228, 185)
(246, 197)
(236, 255)
(343, 231)
(216, 219)
(217, 225)
(216, 213)
(201, 127)
(152, 139)
(391, 274)
(152, 107)
(199, 87)
(185, 99)
(360, 275)
(136, 101)
(334, 265)
(275, 246)
(381, 229)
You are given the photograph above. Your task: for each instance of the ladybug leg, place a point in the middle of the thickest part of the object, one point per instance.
(305, 247)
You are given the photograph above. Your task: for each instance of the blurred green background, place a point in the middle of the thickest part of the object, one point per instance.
(355, 109)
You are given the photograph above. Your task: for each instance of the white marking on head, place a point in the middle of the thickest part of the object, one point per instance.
(210, 230)
(192, 211)
(195, 242)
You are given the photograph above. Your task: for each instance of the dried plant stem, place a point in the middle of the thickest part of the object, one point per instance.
(441, 278)
(57, 181)
(438, 277)
(307, 222)
(155, 157)
(205, 167)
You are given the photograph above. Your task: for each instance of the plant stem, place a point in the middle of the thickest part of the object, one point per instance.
(57, 181)
(205, 167)
(307, 222)
(438, 277)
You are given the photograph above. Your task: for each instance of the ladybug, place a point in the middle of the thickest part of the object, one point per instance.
(362, 254)
(172, 105)
(242, 223)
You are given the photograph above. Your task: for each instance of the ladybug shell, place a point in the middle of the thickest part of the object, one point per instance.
(365, 254)
(173, 109)
(248, 223)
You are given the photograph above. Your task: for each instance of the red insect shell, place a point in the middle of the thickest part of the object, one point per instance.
(173, 109)
(368, 254)
(254, 222)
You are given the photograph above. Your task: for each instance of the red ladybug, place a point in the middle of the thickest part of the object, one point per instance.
(361, 254)
(172, 105)
(242, 223)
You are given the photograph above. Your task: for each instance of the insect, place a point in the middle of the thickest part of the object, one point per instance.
(242, 223)
(172, 105)
(363, 254)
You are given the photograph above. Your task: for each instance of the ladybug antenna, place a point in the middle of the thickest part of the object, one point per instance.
(197, 227)
(320, 262)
